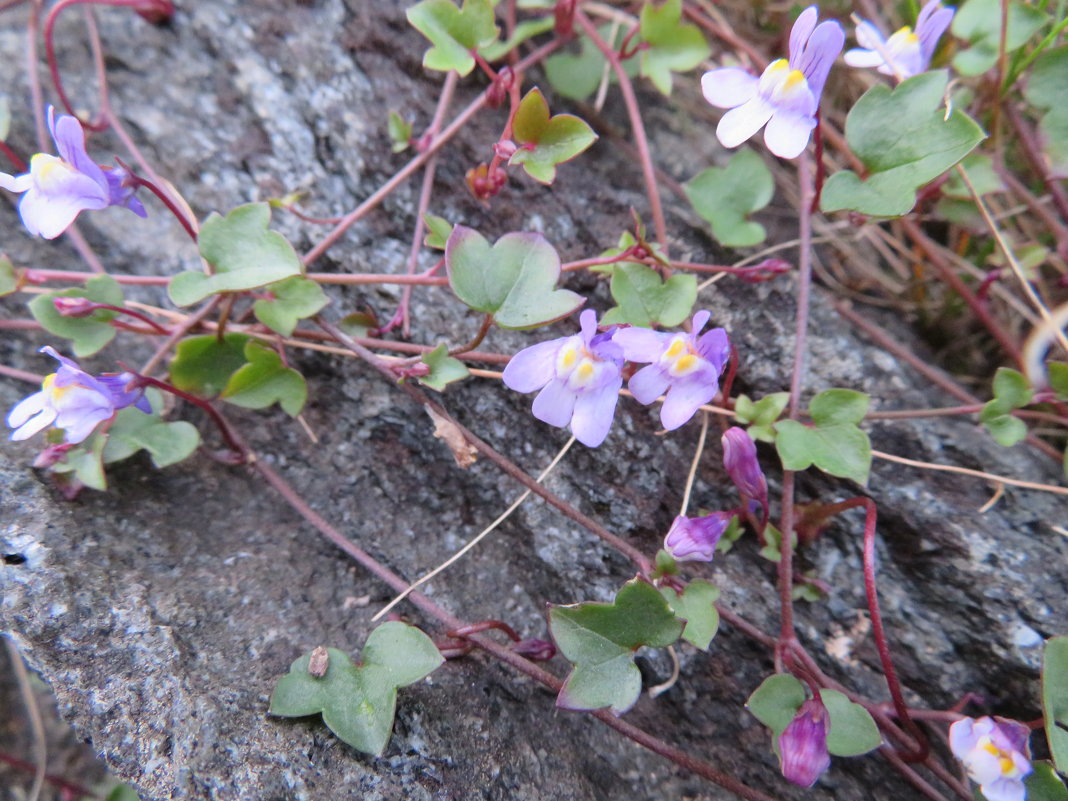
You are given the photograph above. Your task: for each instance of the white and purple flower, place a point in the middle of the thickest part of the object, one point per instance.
(74, 401)
(995, 753)
(803, 754)
(907, 52)
(58, 188)
(579, 377)
(684, 366)
(694, 539)
(785, 97)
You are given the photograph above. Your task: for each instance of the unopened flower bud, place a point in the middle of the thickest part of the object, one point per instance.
(535, 649)
(52, 455)
(564, 18)
(740, 460)
(694, 539)
(74, 307)
(765, 270)
(803, 744)
(505, 148)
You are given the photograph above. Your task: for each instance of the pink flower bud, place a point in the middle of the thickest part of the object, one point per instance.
(694, 539)
(74, 307)
(803, 744)
(538, 650)
(740, 460)
(505, 148)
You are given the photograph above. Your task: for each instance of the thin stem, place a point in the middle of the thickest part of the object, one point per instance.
(694, 463)
(1013, 482)
(487, 323)
(33, 712)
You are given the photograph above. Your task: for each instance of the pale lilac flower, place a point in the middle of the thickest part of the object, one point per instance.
(803, 753)
(59, 187)
(683, 366)
(694, 539)
(74, 401)
(906, 52)
(785, 96)
(579, 377)
(995, 753)
(740, 461)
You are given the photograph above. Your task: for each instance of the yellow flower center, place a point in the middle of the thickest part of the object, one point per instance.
(577, 365)
(1005, 761)
(48, 171)
(680, 358)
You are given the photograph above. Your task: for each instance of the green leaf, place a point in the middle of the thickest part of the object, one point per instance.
(86, 463)
(772, 549)
(264, 381)
(1045, 89)
(725, 196)
(600, 641)
(776, 701)
(133, 430)
(1055, 699)
(203, 365)
(358, 702)
(665, 564)
(577, 76)
(697, 606)
(8, 279)
(852, 730)
(1058, 379)
(1043, 784)
(357, 324)
(87, 334)
(1011, 391)
(444, 369)
(294, 299)
(674, 46)
(400, 132)
(546, 141)
(514, 280)
(919, 146)
(438, 231)
(1012, 387)
(454, 32)
(980, 170)
(834, 443)
(645, 299)
(761, 415)
(731, 535)
(979, 23)
(527, 29)
(244, 253)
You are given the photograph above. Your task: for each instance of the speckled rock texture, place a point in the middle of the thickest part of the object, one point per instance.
(162, 611)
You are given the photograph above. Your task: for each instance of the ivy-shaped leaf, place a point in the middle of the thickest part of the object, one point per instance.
(358, 703)
(919, 146)
(600, 641)
(577, 75)
(454, 32)
(851, 730)
(626, 242)
(645, 299)
(400, 132)
(697, 606)
(726, 196)
(87, 334)
(546, 141)
(760, 416)
(979, 23)
(527, 29)
(1011, 391)
(514, 280)
(980, 170)
(438, 230)
(264, 381)
(1055, 699)
(1045, 90)
(133, 430)
(293, 300)
(1043, 784)
(203, 365)
(444, 369)
(673, 46)
(834, 443)
(8, 280)
(243, 252)
(85, 463)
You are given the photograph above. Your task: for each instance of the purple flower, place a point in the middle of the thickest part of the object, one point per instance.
(579, 378)
(740, 461)
(995, 753)
(905, 53)
(785, 96)
(74, 401)
(58, 188)
(694, 539)
(803, 744)
(685, 367)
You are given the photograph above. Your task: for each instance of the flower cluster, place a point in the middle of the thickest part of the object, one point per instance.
(57, 189)
(75, 401)
(995, 753)
(580, 376)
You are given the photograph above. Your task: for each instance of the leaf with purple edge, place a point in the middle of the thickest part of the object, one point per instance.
(546, 141)
(514, 280)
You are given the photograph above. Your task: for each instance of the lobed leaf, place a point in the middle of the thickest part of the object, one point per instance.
(294, 299)
(776, 701)
(1011, 391)
(726, 196)
(438, 231)
(203, 365)
(979, 23)
(833, 443)
(760, 416)
(852, 730)
(133, 430)
(400, 132)
(453, 32)
(673, 46)
(546, 141)
(264, 380)
(1045, 90)
(645, 299)
(85, 463)
(696, 606)
(444, 369)
(87, 334)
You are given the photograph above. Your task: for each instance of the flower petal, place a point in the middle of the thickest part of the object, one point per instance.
(27, 408)
(788, 133)
(554, 404)
(533, 367)
(14, 183)
(641, 345)
(70, 144)
(862, 59)
(594, 412)
(715, 346)
(700, 320)
(930, 26)
(740, 123)
(800, 33)
(39, 422)
(822, 49)
(648, 384)
(683, 399)
(728, 87)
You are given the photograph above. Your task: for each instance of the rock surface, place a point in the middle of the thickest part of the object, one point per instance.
(162, 611)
